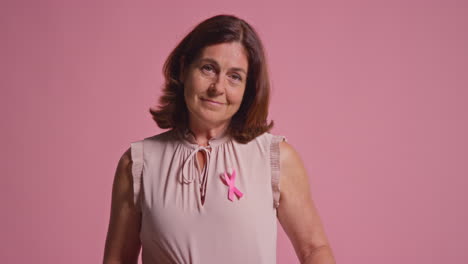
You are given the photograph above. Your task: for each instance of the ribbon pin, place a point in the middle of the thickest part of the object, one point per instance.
(230, 181)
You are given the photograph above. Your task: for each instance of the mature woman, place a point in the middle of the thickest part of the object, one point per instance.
(208, 190)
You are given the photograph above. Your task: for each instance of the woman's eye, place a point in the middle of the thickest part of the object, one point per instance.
(237, 76)
(207, 67)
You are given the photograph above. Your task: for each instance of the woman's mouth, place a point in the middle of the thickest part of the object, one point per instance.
(211, 101)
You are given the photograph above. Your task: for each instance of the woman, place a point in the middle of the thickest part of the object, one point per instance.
(208, 190)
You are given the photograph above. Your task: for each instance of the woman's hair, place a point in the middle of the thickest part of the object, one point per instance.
(251, 118)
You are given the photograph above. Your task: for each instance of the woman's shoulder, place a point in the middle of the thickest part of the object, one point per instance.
(270, 137)
(153, 142)
(164, 136)
(267, 142)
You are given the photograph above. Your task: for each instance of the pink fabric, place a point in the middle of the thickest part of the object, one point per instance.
(177, 227)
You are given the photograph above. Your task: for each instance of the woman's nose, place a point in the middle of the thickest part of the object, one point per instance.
(216, 87)
(214, 90)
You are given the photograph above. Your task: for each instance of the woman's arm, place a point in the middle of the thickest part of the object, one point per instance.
(123, 241)
(297, 213)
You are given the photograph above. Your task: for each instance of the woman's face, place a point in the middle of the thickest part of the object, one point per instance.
(214, 84)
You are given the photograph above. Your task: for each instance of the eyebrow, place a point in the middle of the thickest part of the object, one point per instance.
(217, 64)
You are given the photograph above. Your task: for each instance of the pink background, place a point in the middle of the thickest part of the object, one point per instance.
(373, 95)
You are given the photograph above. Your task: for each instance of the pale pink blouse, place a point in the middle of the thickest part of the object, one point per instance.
(168, 189)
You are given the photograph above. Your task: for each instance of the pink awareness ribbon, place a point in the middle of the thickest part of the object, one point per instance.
(230, 181)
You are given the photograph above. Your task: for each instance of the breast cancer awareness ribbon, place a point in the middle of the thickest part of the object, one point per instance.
(229, 180)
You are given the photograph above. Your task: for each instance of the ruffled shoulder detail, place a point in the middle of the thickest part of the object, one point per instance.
(275, 167)
(137, 170)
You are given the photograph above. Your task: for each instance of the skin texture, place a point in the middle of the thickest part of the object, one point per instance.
(219, 79)
(297, 213)
(123, 241)
(214, 76)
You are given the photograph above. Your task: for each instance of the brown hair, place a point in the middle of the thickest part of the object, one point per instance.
(250, 120)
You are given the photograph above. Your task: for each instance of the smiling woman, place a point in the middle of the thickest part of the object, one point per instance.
(208, 189)
(218, 59)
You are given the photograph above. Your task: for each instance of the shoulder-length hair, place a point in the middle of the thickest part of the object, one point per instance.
(250, 120)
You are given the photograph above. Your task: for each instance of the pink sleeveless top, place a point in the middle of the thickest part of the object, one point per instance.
(236, 223)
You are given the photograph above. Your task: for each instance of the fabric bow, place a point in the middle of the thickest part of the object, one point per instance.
(230, 181)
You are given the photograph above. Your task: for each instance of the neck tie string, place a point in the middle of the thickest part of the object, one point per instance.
(187, 177)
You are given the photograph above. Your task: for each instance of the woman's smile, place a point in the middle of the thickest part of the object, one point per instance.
(211, 92)
(211, 102)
